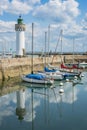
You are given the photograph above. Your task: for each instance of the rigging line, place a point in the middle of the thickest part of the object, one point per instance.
(57, 44)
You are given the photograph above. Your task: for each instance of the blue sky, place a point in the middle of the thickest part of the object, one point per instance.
(68, 15)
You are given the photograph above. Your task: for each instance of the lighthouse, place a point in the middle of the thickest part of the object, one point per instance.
(20, 38)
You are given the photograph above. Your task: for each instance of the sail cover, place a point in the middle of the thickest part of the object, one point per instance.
(35, 76)
(49, 70)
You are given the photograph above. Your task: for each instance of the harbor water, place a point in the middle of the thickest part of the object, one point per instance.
(35, 107)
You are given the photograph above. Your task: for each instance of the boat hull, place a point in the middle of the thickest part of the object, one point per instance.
(36, 81)
(83, 65)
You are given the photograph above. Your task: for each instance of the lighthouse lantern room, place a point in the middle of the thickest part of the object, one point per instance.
(20, 38)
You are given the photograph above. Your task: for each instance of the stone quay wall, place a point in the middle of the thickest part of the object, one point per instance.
(14, 67)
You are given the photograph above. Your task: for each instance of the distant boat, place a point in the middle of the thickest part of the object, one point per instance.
(83, 65)
(70, 66)
(71, 71)
(35, 77)
(66, 73)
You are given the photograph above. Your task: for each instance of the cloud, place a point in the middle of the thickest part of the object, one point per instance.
(33, 2)
(15, 7)
(84, 22)
(7, 34)
(6, 109)
(18, 7)
(57, 11)
(69, 96)
(3, 6)
(6, 26)
(60, 14)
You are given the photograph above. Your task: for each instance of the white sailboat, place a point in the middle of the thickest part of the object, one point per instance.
(50, 73)
(83, 64)
(36, 78)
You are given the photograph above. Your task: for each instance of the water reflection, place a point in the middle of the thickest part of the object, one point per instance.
(20, 110)
(43, 107)
(58, 98)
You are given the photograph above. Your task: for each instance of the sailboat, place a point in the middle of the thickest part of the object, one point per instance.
(72, 71)
(63, 73)
(72, 65)
(36, 78)
(51, 73)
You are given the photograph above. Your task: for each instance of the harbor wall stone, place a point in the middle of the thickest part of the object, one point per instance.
(14, 67)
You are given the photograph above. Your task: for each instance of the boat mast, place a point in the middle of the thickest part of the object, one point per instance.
(32, 49)
(73, 49)
(45, 46)
(61, 45)
(48, 41)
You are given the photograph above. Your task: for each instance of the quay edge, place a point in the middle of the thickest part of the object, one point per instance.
(15, 67)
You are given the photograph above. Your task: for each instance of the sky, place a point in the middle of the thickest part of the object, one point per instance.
(70, 16)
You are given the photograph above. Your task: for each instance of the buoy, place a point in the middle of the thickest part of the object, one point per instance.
(61, 90)
(61, 84)
(52, 86)
(75, 77)
(67, 80)
(82, 75)
(83, 67)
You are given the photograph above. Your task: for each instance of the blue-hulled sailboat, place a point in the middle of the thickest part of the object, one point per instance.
(36, 78)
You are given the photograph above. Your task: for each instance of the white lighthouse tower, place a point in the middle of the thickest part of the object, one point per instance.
(20, 38)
